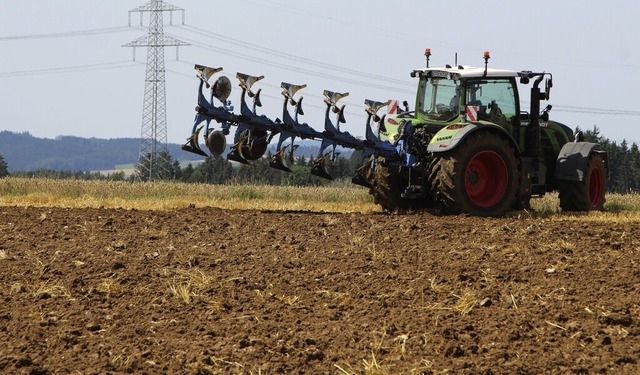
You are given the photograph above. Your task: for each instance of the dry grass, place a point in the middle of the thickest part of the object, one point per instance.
(168, 195)
(188, 284)
(338, 197)
(182, 291)
(289, 300)
(109, 286)
(466, 302)
(371, 366)
(45, 290)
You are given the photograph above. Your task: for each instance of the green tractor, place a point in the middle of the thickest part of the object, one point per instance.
(468, 147)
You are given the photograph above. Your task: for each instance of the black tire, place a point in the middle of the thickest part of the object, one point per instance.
(387, 187)
(479, 177)
(588, 194)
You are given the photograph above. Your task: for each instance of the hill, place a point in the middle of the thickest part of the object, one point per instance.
(24, 152)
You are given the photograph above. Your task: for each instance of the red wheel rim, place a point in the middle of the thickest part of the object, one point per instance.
(595, 187)
(486, 179)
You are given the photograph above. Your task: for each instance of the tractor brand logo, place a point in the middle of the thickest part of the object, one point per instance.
(472, 112)
(392, 121)
(438, 74)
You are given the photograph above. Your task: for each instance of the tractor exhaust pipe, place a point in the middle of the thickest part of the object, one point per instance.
(532, 135)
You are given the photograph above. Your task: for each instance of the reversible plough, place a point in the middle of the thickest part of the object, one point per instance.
(254, 131)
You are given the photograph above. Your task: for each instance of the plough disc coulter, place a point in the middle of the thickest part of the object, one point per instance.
(255, 132)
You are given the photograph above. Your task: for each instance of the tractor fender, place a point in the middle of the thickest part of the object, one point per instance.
(451, 136)
(573, 159)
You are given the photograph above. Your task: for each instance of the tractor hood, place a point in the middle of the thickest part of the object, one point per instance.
(451, 135)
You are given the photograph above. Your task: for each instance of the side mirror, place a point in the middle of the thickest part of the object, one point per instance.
(544, 116)
(547, 87)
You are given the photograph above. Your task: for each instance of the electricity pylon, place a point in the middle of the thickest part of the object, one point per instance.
(153, 160)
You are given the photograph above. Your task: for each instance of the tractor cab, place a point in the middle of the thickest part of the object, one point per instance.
(467, 94)
(462, 95)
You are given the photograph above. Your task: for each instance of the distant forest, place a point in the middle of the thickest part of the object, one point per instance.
(23, 152)
(73, 157)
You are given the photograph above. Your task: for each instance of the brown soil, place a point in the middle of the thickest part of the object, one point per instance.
(204, 290)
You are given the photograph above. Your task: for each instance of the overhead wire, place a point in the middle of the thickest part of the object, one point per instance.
(289, 56)
(66, 34)
(288, 67)
(72, 69)
(239, 43)
(588, 110)
(595, 111)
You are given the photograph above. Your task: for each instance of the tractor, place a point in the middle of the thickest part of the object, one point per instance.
(467, 146)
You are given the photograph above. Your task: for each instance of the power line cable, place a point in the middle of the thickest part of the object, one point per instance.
(273, 52)
(292, 68)
(71, 69)
(595, 111)
(66, 34)
(288, 56)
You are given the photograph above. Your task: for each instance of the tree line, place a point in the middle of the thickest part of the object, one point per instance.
(218, 170)
(623, 163)
(214, 170)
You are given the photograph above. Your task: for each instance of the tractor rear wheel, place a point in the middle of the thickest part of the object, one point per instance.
(588, 194)
(478, 177)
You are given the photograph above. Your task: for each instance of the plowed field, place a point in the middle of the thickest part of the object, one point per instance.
(203, 290)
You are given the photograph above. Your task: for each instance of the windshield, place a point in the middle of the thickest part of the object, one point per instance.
(438, 98)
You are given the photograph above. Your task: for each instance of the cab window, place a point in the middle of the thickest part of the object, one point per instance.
(495, 99)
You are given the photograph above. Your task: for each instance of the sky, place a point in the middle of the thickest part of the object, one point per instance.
(64, 70)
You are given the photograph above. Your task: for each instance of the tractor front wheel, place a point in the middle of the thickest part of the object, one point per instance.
(588, 194)
(387, 185)
(478, 177)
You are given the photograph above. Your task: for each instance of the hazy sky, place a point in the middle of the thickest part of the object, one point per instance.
(64, 71)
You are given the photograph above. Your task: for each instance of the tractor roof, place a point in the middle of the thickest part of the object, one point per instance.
(462, 72)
